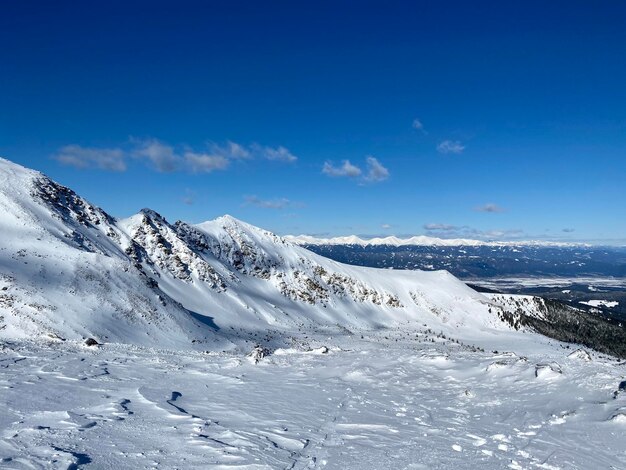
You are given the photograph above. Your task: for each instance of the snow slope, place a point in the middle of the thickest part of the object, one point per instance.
(394, 400)
(69, 269)
(64, 271)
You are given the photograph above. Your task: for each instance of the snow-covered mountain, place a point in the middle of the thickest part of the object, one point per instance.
(67, 268)
(418, 240)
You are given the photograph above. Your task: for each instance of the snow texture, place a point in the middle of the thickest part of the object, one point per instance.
(393, 400)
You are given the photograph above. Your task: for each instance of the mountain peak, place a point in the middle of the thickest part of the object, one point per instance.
(8, 164)
(152, 214)
(11, 173)
(228, 219)
(418, 240)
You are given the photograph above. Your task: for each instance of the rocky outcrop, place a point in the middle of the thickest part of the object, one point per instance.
(165, 249)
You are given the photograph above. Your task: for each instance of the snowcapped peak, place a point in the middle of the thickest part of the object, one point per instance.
(418, 240)
(14, 176)
(228, 219)
(152, 214)
(9, 166)
(231, 223)
(377, 241)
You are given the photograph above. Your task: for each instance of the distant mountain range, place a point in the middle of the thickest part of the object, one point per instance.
(575, 274)
(419, 240)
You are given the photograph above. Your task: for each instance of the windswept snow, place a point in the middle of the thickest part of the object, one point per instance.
(394, 400)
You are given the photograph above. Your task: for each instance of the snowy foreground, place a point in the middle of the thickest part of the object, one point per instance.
(393, 399)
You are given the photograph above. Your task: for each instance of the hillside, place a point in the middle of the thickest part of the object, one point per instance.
(71, 270)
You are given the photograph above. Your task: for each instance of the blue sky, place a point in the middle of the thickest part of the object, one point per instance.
(492, 120)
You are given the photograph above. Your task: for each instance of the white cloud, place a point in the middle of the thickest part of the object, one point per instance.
(205, 163)
(231, 150)
(490, 208)
(279, 154)
(512, 233)
(162, 156)
(385, 226)
(464, 231)
(417, 125)
(82, 157)
(441, 227)
(375, 170)
(346, 169)
(450, 146)
(280, 203)
(166, 159)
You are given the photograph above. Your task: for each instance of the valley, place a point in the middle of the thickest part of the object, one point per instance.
(570, 273)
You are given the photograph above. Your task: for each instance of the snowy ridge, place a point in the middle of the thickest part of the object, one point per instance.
(65, 271)
(418, 240)
(67, 268)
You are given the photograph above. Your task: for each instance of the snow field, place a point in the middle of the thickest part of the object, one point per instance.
(386, 401)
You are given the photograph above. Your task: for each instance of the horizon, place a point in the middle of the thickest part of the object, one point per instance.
(497, 122)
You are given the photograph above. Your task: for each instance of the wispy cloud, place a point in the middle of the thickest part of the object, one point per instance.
(166, 158)
(231, 150)
(489, 208)
(279, 154)
(234, 151)
(280, 203)
(346, 169)
(385, 226)
(162, 156)
(205, 163)
(569, 230)
(441, 227)
(418, 126)
(501, 234)
(450, 146)
(375, 170)
(464, 231)
(84, 157)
